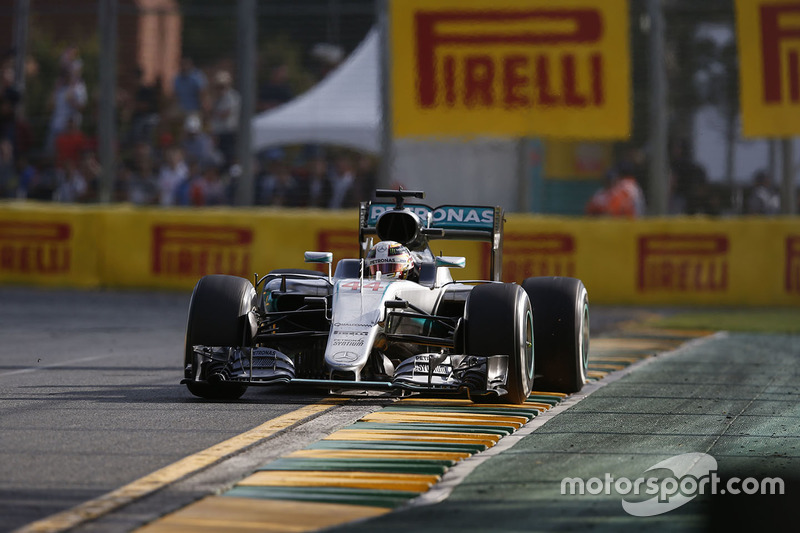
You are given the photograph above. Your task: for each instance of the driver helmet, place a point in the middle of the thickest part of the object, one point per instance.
(391, 259)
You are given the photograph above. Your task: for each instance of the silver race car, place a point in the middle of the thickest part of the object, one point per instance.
(352, 329)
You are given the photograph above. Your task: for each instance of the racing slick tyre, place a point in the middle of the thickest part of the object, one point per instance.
(561, 332)
(218, 316)
(499, 321)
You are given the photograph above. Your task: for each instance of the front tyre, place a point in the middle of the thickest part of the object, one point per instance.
(561, 331)
(218, 316)
(499, 321)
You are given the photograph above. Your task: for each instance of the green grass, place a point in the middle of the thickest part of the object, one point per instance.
(744, 320)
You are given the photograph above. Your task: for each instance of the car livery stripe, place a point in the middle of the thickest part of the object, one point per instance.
(390, 456)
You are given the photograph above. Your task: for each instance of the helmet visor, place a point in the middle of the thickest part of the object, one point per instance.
(386, 268)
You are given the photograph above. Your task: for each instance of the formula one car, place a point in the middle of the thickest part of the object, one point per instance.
(425, 334)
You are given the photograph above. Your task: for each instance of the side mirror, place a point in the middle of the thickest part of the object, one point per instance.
(450, 262)
(320, 258)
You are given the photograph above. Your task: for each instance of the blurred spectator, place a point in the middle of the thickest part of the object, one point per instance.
(71, 143)
(197, 144)
(763, 198)
(90, 168)
(23, 136)
(232, 175)
(26, 175)
(366, 177)
(224, 117)
(278, 187)
(314, 189)
(43, 182)
(145, 116)
(620, 196)
(143, 186)
(71, 184)
(688, 180)
(164, 140)
(210, 189)
(143, 189)
(123, 184)
(68, 100)
(172, 173)
(8, 175)
(9, 98)
(343, 185)
(184, 189)
(70, 59)
(189, 87)
(276, 90)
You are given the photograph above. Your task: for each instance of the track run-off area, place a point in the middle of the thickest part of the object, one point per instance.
(96, 434)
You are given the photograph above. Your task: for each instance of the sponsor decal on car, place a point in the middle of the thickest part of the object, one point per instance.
(345, 357)
(422, 366)
(446, 216)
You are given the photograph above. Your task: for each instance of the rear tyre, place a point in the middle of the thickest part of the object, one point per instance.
(561, 331)
(499, 321)
(218, 316)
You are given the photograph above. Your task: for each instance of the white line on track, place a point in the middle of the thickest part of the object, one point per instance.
(54, 365)
(456, 475)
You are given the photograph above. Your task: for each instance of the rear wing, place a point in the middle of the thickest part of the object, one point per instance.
(448, 222)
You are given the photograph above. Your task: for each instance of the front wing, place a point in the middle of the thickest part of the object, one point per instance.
(423, 373)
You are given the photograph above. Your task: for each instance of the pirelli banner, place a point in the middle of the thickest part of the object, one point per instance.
(51, 246)
(768, 33)
(747, 261)
(556, 68)
(177, 247)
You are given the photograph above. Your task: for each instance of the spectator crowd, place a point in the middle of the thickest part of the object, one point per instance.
(176, 150)
(179, 148)
(690, 190)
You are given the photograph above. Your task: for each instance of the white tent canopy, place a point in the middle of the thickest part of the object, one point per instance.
(343, 109)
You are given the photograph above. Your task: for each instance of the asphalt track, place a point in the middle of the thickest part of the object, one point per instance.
(733, 397)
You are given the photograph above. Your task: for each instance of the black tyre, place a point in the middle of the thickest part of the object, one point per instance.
(561, 332)
(499, 321)
(218, 316)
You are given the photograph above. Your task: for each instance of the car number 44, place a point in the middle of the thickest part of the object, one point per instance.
(369, 285)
